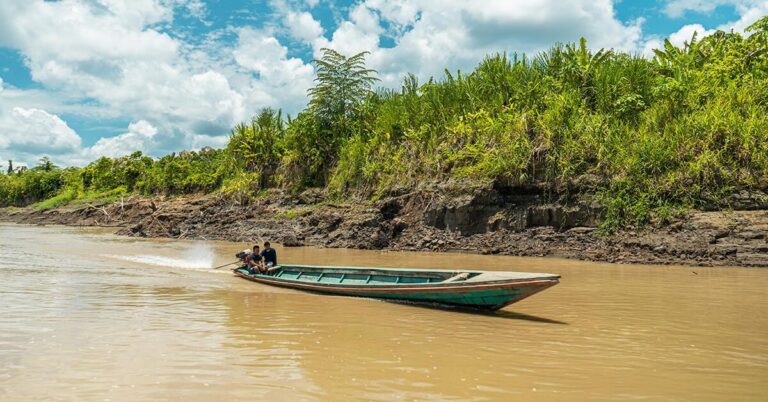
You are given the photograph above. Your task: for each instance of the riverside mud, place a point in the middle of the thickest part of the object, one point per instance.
(419, 222)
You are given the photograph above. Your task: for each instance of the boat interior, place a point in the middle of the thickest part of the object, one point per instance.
(390, 276)
(365, 277)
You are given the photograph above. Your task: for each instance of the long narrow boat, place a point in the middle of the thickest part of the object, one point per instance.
(477, 289)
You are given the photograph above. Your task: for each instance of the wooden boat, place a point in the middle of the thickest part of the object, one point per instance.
(477, 289)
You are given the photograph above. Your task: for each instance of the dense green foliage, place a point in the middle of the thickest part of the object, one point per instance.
(23, 186)
(110, 178)
(644, 135)
(336, 111)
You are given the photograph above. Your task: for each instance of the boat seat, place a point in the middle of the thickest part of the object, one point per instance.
(458, 277)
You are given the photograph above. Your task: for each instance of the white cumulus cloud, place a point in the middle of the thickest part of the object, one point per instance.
(303, 26)
(34, 131)
(686, 33)
(283, 80)
(140, 136)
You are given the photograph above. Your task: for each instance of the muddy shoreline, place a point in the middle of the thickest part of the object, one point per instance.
(483, 222)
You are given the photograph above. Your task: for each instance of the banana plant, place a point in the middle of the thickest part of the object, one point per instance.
(580, 66)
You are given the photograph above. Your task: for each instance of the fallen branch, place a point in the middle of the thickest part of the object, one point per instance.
(103, 210)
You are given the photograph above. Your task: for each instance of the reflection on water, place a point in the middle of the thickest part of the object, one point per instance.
(90, 316)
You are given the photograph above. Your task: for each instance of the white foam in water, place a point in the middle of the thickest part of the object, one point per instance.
(193, 257)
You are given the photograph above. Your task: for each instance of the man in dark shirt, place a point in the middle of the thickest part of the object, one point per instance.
(255, 261)
(269, 255)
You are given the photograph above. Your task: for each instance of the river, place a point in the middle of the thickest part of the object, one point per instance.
(87, 315)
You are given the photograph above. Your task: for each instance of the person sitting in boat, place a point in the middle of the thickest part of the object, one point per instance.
(255, 261)
(269, 255)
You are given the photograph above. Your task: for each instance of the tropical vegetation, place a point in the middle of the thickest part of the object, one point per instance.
(644, 136)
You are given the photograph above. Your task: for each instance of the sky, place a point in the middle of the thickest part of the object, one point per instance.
(80, 79)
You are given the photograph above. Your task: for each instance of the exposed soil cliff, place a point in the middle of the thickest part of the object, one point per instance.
(485, 220)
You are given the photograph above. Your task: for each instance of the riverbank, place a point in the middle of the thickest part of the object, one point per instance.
(486, 221)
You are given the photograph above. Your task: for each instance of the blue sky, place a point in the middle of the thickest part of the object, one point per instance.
(84, 78)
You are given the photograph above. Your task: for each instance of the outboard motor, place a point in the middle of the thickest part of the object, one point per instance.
(241, 255)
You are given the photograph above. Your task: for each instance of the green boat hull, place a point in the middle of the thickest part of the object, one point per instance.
(474, 289)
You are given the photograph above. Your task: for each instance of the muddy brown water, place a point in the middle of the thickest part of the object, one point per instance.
(86, 315)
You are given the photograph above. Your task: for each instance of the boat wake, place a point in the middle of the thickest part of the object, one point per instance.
(194, 258)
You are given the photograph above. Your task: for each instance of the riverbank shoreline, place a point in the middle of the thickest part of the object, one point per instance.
(424, 222)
